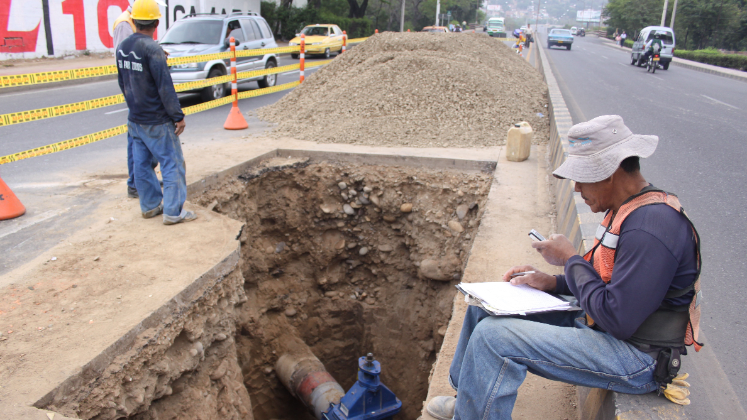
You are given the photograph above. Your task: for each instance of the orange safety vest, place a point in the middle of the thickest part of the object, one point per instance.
(602, 257)
(124, 17)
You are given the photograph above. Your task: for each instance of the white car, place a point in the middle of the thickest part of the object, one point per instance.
(574, 30)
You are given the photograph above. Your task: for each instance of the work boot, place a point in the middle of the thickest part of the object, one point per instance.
(132, 192)
(185, 216)
(154, 212)
(441, 408)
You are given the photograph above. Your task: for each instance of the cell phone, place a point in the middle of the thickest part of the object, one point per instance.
(536, 235)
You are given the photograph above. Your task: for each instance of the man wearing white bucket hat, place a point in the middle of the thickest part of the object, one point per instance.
(638, 288)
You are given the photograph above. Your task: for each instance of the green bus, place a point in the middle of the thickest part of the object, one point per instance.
(496, 27)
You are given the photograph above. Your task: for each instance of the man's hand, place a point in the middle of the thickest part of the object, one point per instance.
(556, 250)
(538, 279)
(180, 127)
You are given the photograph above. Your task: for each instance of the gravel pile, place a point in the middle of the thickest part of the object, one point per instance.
(417, 90)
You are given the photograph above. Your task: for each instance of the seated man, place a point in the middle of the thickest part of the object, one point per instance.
(637, 288)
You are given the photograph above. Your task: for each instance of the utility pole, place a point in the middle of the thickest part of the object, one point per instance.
(402, 18)
(438, 10)
(674, 12)
(537, 21)
(663, 13)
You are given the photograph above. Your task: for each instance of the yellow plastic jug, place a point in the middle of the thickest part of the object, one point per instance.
(519, 142)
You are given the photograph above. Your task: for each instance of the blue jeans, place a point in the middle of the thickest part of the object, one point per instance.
(131, 163)
(494, 354)
(159, 141)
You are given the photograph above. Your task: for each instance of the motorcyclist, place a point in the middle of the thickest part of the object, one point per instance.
(653, 46)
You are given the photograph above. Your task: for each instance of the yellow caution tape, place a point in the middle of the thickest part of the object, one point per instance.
(55, 76)
(63, 75)
(198, 58)
(56, 111)
(263, 51)
(273, 70)
(182, 87)
(65, 145)
(267, 91)
(317, 64)
(356, 40)
(115, 131)
(207, 105)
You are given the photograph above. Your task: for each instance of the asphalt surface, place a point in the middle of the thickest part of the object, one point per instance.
(701, 124)
(49, 185)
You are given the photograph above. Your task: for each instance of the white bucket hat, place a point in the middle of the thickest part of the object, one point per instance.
(598, 146)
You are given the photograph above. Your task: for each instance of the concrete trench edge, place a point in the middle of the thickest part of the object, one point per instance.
(170, 311)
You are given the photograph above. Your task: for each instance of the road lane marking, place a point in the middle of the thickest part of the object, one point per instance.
(114, 112)
(44, 91)
(604, 57)
(717, 101)
(32, 221)
(657, 77)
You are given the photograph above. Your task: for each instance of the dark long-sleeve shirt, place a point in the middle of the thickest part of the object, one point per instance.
(146, 83)
(656, 252)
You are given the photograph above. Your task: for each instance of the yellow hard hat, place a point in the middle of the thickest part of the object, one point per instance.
(146, 10)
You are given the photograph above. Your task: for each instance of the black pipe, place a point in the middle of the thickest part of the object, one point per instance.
(48, 28)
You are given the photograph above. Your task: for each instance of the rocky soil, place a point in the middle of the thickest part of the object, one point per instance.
(419, 90)
(351, 259)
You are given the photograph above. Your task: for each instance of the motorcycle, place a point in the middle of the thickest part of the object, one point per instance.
(653, 63)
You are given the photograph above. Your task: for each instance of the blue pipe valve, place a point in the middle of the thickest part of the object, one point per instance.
(368, 398)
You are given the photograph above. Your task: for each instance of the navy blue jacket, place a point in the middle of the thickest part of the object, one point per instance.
(146, 83)
(656, 252)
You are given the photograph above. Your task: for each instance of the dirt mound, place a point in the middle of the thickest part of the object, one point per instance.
(416, 89)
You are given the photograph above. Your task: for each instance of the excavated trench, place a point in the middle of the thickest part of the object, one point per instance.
(352, 259)
(349, 258)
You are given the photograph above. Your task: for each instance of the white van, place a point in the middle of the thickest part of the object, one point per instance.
(647, 34)
(574, 30)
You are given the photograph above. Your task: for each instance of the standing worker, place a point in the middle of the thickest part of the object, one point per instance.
(124, 27)
(529, 35)
(155, 119)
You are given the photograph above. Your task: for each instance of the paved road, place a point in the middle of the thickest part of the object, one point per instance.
(701, 124)
(49, 185)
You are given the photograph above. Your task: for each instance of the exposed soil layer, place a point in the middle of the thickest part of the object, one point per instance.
(419, 90)
(351, 260)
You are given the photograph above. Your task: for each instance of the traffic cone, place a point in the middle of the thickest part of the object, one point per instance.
(235, 120)
(10, 205)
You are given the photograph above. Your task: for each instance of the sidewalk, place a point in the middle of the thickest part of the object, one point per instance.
(694, 65)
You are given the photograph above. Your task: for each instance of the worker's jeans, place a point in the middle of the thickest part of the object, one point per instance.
(158, 141)
(494, 354)
(131, 163)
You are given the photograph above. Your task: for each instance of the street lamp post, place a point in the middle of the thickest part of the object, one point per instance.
(664, 13)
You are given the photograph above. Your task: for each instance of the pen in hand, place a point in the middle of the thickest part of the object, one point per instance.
(522, 273)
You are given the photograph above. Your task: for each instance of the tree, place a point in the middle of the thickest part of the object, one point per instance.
(357, 11)
(700, 23)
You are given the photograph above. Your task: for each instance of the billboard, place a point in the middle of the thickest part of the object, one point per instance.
(589, 15)
(32, 29)
(494, 8)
